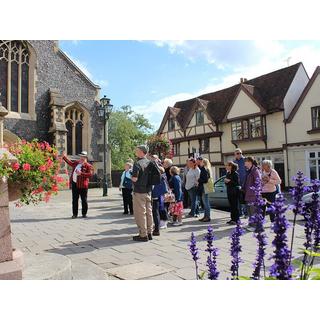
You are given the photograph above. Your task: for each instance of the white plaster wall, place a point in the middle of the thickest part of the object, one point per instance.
(301, 122)
(243, 105)
(298, 84)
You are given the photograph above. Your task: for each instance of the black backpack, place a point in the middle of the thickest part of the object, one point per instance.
(154, 174)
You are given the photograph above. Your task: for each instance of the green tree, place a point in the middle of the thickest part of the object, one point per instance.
(127, 129)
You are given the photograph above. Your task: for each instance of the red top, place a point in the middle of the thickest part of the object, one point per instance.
(86, 173)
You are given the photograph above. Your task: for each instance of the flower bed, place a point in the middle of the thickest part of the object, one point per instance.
(34, 176)
(283, 264)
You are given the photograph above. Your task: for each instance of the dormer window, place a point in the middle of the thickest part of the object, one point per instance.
(171, 124)
(199, 118)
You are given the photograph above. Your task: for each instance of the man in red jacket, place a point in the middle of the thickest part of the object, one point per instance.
(79, 182)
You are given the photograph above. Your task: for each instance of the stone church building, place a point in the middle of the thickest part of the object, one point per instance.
(49, 98)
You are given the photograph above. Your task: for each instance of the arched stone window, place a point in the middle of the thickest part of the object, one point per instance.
(79, 127)
(76, 118)
(69, 127)
(17, 78)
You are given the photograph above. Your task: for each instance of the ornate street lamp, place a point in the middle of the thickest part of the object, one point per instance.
(104, 112)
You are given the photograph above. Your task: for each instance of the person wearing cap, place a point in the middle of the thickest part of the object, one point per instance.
(79, 182)
(142, 201)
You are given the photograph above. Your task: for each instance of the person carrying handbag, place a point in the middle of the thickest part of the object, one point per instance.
(207, 183)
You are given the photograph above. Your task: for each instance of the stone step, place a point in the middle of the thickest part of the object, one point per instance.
(47, 266)
(84, 269)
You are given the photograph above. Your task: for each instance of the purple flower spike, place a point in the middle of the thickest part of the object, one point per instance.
(235, 251)
(213, 272)
(297, 193)
(281, 269)
(194, 253)
(257, 219)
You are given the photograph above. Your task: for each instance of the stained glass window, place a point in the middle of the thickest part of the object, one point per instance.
(79, 126)
(3, 81)
(14, 75)
(14, 86)
(69, 127)
(25, 88)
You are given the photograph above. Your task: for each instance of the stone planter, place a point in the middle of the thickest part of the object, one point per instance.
(14, 190)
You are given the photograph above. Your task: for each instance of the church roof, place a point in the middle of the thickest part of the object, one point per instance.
(80, 72)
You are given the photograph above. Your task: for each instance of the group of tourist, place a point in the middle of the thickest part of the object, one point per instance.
(155, 193)
(242, 178)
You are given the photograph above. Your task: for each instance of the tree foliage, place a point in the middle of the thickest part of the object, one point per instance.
(127, 129)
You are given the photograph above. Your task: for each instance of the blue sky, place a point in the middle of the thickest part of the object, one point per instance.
(152, 75)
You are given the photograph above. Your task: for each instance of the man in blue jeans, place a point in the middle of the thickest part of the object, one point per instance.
(239, 160)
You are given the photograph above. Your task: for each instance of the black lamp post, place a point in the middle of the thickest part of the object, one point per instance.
(104, 112)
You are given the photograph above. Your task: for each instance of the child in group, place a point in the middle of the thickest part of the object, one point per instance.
(126, 188)
(176, 208)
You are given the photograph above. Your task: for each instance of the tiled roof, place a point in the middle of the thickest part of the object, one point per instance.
(269, 90)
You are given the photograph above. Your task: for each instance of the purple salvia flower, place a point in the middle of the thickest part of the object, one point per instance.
(298, 207)
(235, 251)
(281, 269)
(257, 219)
(194, 253)
(311, 228)
(213, 272)
(315, 213)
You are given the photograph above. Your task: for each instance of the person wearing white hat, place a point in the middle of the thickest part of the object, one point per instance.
(79, 182)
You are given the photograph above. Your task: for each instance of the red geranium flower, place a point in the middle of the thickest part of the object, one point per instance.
(26, 167)
(15, 166)
(42, 168)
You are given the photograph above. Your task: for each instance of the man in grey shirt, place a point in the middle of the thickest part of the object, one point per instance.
(142, 202)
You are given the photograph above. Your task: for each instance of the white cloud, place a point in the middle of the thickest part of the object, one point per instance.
(271, 55)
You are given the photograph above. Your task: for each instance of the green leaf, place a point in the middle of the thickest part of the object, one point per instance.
(244, 278)
(202, 275)
(312, 253)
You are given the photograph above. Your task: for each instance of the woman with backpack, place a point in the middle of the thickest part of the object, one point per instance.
(252, 179)
(126, 188)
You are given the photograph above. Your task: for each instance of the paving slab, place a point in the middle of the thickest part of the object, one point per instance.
(137, 271)
(105, 238)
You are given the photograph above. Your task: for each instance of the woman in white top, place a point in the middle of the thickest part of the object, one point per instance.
(191, 185)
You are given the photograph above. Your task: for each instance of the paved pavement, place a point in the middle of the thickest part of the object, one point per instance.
(104, 239)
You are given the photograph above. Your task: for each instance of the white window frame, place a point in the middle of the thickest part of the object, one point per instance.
(307, 157)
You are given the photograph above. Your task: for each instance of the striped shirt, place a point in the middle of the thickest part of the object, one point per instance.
(86, 173)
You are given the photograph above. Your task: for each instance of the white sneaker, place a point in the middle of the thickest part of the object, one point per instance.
(163, 224)
(177, 223)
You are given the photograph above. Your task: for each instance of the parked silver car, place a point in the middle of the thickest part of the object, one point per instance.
(219, 198)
